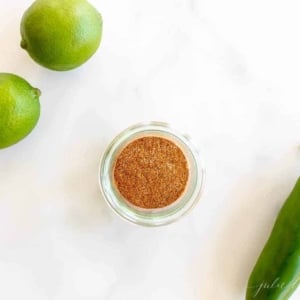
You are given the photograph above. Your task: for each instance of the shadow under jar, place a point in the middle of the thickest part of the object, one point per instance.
(151, 175)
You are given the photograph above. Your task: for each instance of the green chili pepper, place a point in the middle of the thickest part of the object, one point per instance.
(276, 274)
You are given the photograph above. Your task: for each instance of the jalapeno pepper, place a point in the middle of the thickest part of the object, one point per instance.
(276, 274)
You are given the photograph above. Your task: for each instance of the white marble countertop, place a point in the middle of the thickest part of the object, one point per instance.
(225, 72)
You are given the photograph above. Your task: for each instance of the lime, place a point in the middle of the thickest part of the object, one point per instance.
(61, 34)
(19, 109)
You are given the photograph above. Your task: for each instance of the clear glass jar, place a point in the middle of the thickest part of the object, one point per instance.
(157, 216)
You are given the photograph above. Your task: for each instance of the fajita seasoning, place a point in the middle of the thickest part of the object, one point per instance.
(151, 172)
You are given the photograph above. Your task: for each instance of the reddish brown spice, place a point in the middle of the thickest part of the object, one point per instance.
(151, 172)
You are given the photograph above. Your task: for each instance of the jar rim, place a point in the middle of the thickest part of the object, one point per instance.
(156, 216)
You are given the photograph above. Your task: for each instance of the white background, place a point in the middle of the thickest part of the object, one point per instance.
(225, 72)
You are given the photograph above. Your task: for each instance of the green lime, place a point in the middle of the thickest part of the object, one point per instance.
(61, 34)
(19, 108)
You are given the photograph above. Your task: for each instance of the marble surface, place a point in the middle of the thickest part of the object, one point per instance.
(225, 72)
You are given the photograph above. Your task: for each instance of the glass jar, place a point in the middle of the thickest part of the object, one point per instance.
(157, 216)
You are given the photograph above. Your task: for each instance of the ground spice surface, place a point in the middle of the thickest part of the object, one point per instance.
(151, 172)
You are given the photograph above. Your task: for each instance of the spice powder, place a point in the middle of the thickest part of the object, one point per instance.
(151, 172)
